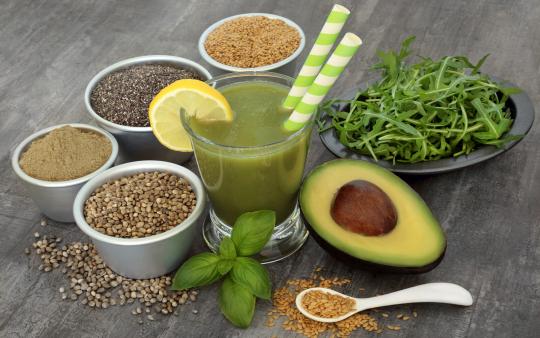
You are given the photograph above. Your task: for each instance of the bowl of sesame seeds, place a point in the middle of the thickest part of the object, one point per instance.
(252, 42)
(142, 216)
(117, 98)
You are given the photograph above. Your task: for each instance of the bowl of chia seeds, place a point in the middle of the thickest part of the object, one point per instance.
(118, 98)
(55, 162)
(142, 216)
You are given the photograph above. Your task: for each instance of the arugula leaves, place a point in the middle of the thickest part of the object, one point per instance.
(423, 111)
(244, 279)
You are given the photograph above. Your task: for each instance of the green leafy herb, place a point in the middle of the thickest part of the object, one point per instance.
(423, 111)
(227, 249)
(252, 230)
(252, 275)
(236, 303)
(199, 270)
(244, 278)
(225, 265)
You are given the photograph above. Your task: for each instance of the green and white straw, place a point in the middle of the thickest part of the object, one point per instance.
(323, 82)
(318, 54)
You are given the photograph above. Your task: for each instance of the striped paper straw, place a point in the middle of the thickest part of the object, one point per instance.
(324, 43)
(323, 82)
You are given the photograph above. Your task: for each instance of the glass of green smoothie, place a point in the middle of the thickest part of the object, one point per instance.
(252, 163)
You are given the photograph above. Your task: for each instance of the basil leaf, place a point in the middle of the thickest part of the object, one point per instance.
(252, 230)
(199, 270)
(236, 303)
(224, 266)
(226, 248)
(252, 275)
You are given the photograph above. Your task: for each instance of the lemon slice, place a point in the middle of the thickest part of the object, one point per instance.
(197, 98)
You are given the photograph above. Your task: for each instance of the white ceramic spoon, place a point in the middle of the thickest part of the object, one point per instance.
(426, 293)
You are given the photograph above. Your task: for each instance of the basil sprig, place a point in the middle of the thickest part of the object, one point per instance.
(244, 278)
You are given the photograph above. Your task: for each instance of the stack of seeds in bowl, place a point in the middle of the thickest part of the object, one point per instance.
(123, 96)
(140, 205)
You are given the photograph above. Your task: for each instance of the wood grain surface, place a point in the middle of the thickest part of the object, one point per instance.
(49, 50)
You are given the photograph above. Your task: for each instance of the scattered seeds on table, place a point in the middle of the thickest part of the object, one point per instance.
(284, 305)
(140, 205)
(123, 96)
(95, 285)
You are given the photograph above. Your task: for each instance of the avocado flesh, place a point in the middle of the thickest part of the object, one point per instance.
(416, 242)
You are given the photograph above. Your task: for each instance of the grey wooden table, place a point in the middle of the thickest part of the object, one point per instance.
(491, 212)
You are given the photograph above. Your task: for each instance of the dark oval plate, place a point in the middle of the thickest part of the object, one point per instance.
(522, 111)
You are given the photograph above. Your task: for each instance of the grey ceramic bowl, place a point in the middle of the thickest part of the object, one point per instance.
(55, 198)
(286, 66)
(139, 143)
(150, 256)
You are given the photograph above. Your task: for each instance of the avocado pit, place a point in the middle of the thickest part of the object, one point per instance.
(361, 207)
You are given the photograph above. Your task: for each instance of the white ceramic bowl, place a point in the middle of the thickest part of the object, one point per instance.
(55, 198)
(139, 143)
(286, 66)
(151, 256)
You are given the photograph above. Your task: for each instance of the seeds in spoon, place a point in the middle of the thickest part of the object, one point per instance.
(327, 305)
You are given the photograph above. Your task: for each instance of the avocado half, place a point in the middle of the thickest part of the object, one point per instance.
(368, 217)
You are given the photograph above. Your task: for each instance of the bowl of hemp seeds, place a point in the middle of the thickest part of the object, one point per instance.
(55, 162)
(142, 216)
(252, 42)
(118, 97)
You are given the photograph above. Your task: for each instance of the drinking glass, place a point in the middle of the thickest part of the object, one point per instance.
(250, 178)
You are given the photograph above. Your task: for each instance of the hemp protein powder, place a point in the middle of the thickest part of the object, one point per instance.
(65, 153)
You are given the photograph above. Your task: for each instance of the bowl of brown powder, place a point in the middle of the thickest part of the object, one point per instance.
(252, 42)
(55, 162)
(142, 216)
(118, 97)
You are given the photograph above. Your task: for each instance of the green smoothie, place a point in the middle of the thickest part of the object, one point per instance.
(251, 163)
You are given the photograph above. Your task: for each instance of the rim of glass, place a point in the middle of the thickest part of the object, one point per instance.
(240, 75)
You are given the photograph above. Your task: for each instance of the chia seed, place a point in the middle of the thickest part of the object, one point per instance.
(123, 97)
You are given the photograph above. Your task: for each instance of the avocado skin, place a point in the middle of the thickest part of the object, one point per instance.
(365, 265)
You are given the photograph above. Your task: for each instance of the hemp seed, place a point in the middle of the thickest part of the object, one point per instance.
(95, 285)
(124, 207)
